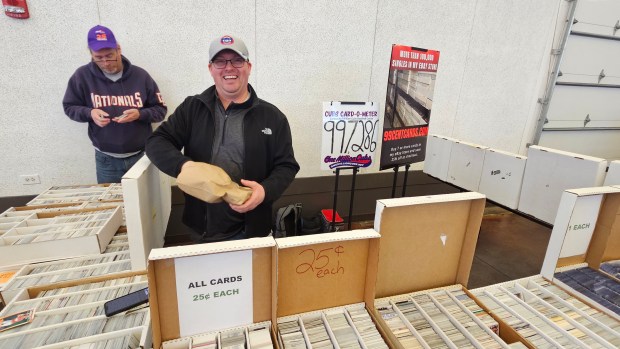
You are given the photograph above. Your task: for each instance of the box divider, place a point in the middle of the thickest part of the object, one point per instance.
(574, 323)
(569, 305)
(475, 319)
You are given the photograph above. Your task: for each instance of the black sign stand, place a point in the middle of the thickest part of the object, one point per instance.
(395, 168)
(333, 223)
(405, 180)
(394, 181)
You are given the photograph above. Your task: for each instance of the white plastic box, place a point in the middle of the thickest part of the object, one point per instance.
(548, 172)
(465, 169)
(613, 173)
(502, 175)
(437, 158)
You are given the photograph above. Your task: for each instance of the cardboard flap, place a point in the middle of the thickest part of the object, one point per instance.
(323, 271)
(605, 243)
(164, 295)
(586, 229)
(426, 242)
(219, 247)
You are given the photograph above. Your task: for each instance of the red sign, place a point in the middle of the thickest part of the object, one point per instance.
(412, 58)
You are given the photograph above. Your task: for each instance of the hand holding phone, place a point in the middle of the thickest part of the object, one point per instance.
(128, 115)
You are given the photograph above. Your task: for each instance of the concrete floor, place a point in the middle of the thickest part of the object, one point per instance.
(509, 246)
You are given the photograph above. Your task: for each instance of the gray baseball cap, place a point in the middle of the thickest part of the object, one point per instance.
(228, 42)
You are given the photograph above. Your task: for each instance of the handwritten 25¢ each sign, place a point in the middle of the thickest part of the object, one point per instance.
(349, 134)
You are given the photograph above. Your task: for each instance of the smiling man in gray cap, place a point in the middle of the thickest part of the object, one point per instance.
(230, 127)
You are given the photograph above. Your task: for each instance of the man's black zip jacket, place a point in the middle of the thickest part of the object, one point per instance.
(269, 157)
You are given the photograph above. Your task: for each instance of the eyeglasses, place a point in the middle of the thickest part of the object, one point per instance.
(110, 57)
(235, 62)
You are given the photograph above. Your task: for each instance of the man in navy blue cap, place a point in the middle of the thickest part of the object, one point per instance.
(118, 100)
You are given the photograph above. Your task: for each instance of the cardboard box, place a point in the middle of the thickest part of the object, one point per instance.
(96, 242)
(554, 317)
(77, 193)
(437, 160)
(502, 175)
(326, 272)
(428, 244)
(51, 273)
(586, 232)
(436, 233)
(13, 216)
(147, 198)
(465, 169)
(230, 281)
(142, 334)
(613, 173)
(548, 172)
(108, 204)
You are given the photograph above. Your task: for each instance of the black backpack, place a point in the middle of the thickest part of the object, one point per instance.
(288, 221)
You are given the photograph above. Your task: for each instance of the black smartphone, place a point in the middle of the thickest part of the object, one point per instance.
(128, 301)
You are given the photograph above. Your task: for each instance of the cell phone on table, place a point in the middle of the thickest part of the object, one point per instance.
(126, 302)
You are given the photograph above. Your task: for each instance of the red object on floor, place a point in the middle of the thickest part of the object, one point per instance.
(328, 215)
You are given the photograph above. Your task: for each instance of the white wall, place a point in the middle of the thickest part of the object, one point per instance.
(491, 68)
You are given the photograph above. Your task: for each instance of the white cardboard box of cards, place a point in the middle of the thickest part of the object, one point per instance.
(325, 289)
(71, 314)
(57, 235)
(426, 253)
(547, 315)
(204, 294)
(586, 237)
(437, 160)
(47, 273)
(548, 172)
(13, 216)
(79, 193)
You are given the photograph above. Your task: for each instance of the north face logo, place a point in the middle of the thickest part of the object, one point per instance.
(267, 131)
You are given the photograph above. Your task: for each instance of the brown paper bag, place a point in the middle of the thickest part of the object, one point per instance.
(211, 184)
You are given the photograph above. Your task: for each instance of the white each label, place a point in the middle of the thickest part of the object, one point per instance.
(581, 226)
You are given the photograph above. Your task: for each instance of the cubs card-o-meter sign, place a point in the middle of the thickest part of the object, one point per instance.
(349, 134)
(408, 104)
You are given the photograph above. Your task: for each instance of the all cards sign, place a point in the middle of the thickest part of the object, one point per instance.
(408, 104)
(214, 291)
(349, 134)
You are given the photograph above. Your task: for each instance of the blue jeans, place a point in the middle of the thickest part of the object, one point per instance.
(111, 169)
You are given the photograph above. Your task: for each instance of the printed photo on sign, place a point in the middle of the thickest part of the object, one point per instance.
(408, 105)
(349, 134)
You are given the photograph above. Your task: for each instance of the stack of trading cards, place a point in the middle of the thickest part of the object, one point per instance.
(316, 331)
(233, 339)
(290, 333)
(342, 330)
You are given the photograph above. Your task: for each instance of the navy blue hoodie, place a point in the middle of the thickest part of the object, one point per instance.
(90, 89)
